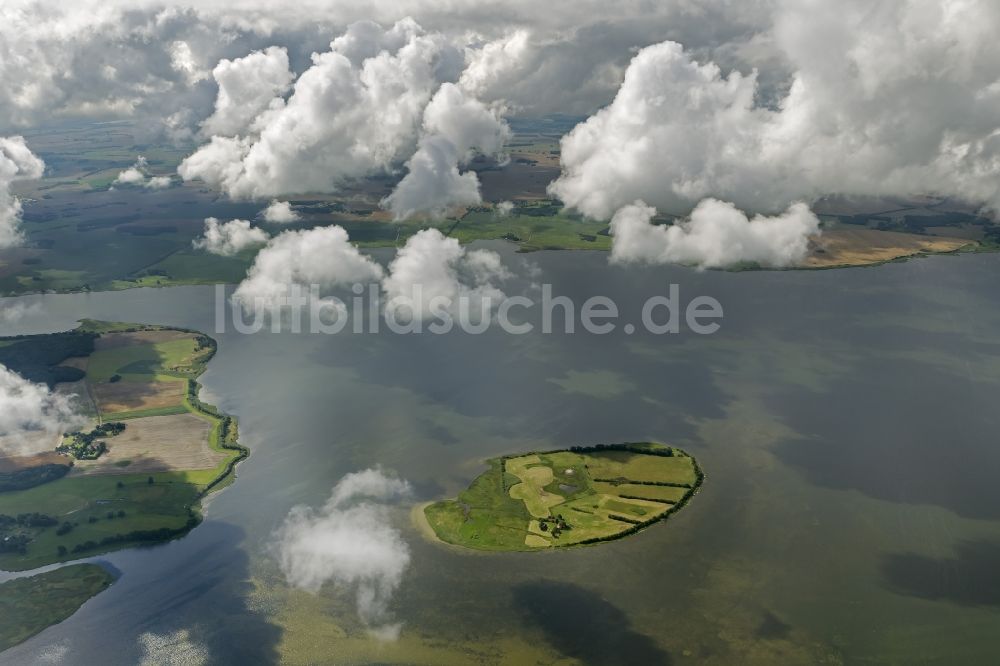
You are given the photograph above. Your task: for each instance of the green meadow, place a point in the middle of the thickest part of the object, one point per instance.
(97, 513)
(29, 605)
(567, 498)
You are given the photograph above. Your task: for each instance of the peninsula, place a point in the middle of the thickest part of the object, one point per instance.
(137, 472)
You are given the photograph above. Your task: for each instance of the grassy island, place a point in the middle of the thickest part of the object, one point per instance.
(137, 472)
(573, 497)
(28, 605)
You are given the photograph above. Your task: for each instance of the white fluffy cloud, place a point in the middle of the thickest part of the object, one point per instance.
(156, 56)
(32, 416)
(280, 212)
(229, 238)
(247, 86)
(504, 209)
(17, 162)
(497, 63)
(158, 182)
(138, 175)
(10, 314)
(132, 175)
(454, 125)
(344, 119)
(433, 271)
(716, 234)
(323, 256)
(909, 105)
(350, 542)
(183, 61)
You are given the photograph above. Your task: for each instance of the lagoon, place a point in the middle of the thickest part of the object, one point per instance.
(845, 420)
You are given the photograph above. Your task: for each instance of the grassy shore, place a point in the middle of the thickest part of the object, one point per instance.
(29, 605)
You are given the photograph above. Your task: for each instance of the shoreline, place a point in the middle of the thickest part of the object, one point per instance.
(418, 520)
(223, 436)
(418, 515)
(197, 282)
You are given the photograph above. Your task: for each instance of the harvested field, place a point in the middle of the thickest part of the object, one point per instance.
(115, 340)
(13, 463)
(156, 444)
(857, 247)
(132, 396)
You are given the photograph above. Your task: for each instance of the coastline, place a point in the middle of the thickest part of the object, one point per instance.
(418, 519)
(123, 284)
(421, 522)
(223, 436)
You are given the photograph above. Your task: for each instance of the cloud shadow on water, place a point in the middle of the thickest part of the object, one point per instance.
(970, 578)
(890, 432)
(581, 625)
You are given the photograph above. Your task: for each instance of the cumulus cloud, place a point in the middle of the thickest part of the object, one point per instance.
(432, 272)
(497, 62)
(15, 312)
(229, 238)
(158, 182)
(504, 209)
(350, 542)
(280, 212)
(138, 175)
(716, 234)
(454, 126)
(156, 56)
(909, 106)
(344, 119)
(32, 416)
(222, 70)
(323, 256)
(17, 162)
(183, 61)
(247, 86)
(134, 174)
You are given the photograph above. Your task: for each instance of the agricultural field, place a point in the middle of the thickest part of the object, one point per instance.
(853, 246)
(28, 605)
(140, 479)
(566, 498)
(157, 444)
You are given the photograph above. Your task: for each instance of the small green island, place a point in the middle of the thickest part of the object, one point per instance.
(572, 497)
(29, 605)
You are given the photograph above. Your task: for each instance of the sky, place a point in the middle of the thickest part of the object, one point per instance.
(735, 116)
(761, 104)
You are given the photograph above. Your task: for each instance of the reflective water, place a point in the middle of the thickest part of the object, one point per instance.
(846, 420)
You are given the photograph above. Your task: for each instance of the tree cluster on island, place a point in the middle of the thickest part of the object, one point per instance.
(88, 445)
(559, 525)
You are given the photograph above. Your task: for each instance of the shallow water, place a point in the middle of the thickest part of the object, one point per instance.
(845, 419)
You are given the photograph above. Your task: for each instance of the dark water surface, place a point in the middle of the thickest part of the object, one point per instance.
(847, 422)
